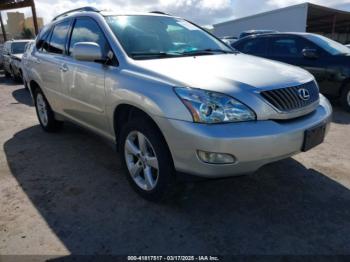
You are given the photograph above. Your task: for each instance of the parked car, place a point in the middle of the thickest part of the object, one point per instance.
(256, 32)
(326, 59)
(229, 39)
(26, 62)
(198, 108)
(13, 51)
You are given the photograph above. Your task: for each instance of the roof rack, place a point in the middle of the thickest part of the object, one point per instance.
(82, 9)
(159, 12)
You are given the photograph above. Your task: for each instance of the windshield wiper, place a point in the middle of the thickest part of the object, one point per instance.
(155, 54)
(208, 51)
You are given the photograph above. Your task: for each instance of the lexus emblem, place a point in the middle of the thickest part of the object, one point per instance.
(304, 94)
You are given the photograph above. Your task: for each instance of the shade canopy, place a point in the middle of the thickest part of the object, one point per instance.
(329, 21)
(15, 4)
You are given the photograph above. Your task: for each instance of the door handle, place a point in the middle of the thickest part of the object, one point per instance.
(64, 68)
(37, 61)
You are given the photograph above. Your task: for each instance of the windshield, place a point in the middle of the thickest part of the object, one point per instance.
(329, 45)
(18, 48)
(146, 37)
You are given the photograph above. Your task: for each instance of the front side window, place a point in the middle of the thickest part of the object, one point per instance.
(285, 47)
(329, 45)
(58, 38)
(87, 30)
(145, 37)
(43, 39)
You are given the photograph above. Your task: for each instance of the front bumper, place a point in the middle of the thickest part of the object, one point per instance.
(254, 144)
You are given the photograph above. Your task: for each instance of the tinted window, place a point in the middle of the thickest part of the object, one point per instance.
(255, 46)
(329, 45)
(87, 30)
(58, 38)
(285, 47)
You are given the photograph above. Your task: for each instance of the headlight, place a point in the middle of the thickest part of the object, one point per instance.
(211, 107)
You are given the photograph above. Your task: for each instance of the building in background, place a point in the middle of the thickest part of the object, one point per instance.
(15, 24)
(305, 17)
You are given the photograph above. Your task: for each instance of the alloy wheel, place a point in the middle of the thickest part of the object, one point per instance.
(141, 160)
(42, 109)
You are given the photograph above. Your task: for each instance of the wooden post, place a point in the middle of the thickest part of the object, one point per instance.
(32, 4)
(3, 28)
(334, 26)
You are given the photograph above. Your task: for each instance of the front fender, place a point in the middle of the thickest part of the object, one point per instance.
(149, 95)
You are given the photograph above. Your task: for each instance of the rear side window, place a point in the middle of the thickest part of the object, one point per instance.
(58, 38)
(255, 46)
(87, 30)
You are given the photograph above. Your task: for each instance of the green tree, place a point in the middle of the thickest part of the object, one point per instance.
(27, 33)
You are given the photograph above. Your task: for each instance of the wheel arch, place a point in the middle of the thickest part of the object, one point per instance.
(125, 112)
(345, 84)
(33, 85)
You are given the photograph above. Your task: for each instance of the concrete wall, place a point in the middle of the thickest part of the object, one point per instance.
(290, 19)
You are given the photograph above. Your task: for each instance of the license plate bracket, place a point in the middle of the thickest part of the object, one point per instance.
(313, 137)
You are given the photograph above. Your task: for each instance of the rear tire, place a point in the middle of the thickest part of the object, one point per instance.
(345, 98)
(19, 78)
(147, 160)
(45, 114)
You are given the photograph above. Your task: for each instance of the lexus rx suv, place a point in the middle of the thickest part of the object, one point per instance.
(174, 98)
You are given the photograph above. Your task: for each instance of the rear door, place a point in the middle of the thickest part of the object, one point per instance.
(48, 64)
(85, 81)
(256, 46)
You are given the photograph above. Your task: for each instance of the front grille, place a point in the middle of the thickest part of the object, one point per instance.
(289, 99)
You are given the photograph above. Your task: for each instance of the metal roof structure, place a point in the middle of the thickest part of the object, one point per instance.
(15, 4)
(306, 17)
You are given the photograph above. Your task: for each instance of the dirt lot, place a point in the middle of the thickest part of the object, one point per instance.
(65, 193)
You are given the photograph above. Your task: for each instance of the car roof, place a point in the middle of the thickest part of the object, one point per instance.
(259, 31)
(278, 34)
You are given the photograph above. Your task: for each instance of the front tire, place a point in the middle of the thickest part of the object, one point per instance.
(45, 114)
(147, 159)
(345, 98)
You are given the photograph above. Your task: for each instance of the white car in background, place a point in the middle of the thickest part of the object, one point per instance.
(26, 62)
(12, 55)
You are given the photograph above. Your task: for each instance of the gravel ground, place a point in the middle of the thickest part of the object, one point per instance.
(66, 193)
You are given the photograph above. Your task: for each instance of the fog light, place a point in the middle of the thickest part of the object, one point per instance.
(216, 158)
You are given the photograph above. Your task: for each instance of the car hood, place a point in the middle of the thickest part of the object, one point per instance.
(223, 72)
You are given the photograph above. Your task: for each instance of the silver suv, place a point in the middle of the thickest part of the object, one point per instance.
(173, 97)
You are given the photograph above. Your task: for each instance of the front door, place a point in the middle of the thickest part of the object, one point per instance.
(289, 49)
(85, 81)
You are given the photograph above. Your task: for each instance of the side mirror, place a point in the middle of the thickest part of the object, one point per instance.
(310, 53)
(87, 51)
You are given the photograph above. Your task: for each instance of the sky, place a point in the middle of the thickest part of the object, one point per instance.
(202, 12)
